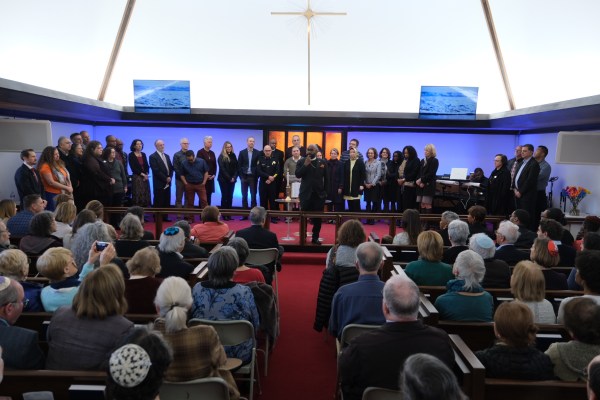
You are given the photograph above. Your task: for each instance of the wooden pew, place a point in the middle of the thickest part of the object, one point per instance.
(17, 382)
(468, 368)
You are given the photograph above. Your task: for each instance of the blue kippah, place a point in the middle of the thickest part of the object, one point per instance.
(484, 241)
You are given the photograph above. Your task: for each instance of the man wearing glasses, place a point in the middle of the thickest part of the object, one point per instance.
(21, 348)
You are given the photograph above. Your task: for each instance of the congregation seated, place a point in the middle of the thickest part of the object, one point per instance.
(552, 230)
(591, 224)
(515, 356)
(96, 231)
(130, 240)
(427, 377)
(506, 236)
(591, 241)
(587, 267)
(139, 212)
(64, 215)
(521, 218)
(558, 215)
(465, 299)
(582, 320)
(219, 298)
(173, 302)
(18, 225)
(212, 229)
(544, 253)
(58, 266)
(15, 265)
(360, 302)
(141, 287)
(528, 285)
(411, 226)
(82, 336)
(82, 218)
(343, 254)
(375, 358)
(458, 233)
(41, 234)
(445, 219)
(20, 345)
(497, 272)
(190, 249)
(171, 242)
(476, 218)
(136, 370)
(429, 270)
(243, 273)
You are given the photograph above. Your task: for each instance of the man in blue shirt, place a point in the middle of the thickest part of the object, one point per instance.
(194, 174)
(18, 225)
(360, 302)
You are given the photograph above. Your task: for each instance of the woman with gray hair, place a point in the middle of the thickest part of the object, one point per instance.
(220, 298)
(171, 243)
(458, 233)
(130, 241)
(426, 377)
(40, 237)
(497, 272)
(173, 302)
(244, 274)
(446, 218)
(465, 299)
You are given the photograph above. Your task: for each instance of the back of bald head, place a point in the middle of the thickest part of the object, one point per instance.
(401, 296)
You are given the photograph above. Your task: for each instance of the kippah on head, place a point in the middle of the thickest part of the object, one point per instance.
(484, 241)
(129, 365)
(4, 282)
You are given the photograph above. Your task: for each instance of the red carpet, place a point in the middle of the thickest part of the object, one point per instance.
(302, 365)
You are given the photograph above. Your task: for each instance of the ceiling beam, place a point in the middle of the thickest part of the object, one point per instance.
(116, 48)
(492, 29)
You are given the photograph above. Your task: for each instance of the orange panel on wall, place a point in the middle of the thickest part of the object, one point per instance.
(280, 136)
(333, 140)
(314, 138)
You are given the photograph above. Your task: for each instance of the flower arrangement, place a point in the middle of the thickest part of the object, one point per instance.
(575, 194)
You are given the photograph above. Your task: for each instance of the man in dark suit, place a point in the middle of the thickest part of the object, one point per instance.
(313, 172)
(526, 182)
(375, 358)
(295, 143)
(267, 169)
(506, 236)
(162, 174)
(513, 166)
(247, 160)
(260, 238)
(27, 178)
(209, 157)
(20, 345)
(521, 218)
(280, 157)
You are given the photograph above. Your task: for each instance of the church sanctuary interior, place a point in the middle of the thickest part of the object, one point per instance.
(504, 73)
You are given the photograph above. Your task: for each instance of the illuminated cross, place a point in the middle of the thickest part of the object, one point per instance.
(308, 14)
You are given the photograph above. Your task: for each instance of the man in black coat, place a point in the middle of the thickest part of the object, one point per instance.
(376, 358)
(295, 143)
(247, 160)
(526, 182)
(268, 169)
(506, 236)
(27, 178)
(162, 175)
(313, 172)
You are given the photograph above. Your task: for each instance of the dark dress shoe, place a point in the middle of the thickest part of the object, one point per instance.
(316, 242)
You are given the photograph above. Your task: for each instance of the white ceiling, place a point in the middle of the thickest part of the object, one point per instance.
(375, 58)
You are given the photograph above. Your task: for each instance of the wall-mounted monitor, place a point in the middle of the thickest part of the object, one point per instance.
(448, 102)
(157, 96)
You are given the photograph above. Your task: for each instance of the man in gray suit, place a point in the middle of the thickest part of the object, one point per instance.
(21, 348)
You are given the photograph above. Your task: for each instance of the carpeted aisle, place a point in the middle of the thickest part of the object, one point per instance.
(302, 365)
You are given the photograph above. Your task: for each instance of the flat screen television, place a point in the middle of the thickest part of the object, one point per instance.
(448, 102)
(157, 96)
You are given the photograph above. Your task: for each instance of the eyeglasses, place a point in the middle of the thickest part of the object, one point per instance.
(25, 301)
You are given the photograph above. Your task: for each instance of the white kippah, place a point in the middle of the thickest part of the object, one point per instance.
(484, 241)
(129, 365)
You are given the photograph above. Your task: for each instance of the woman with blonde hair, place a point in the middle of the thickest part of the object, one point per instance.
(54, 174)
(528, 285)
(427, 178)
(14, 264)
(64, 215)
(429, 269)
(141, 287)
(228, 173)
(173, 302)
(211, 229)
(8, 209)
(544, 252)
(81, 337)
(514, 356)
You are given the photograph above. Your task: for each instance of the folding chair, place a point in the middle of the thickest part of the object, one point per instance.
(351, 331)
(231, 333)
(205, 388)
(376, 393)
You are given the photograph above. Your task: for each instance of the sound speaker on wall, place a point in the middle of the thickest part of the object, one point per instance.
(578, 148)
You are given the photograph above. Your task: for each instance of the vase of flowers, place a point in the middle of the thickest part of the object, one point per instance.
(575, 194)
